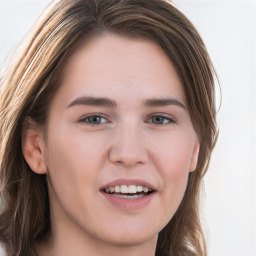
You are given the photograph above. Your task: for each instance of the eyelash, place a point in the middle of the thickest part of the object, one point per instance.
(162, 118)
(87, 118)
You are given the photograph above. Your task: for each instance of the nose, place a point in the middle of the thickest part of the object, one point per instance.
(128, 147)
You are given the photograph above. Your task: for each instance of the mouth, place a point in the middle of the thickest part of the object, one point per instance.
(129, 194)
(128, 191)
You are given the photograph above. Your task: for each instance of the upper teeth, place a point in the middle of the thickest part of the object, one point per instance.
(131, 189)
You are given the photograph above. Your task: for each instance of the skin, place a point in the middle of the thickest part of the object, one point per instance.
(129, 142)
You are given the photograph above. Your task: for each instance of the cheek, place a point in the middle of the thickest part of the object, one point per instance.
(73, 162)
(172, 158)
(173, 155)
(74, 149)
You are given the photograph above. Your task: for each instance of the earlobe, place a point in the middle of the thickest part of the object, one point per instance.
(32, 143)
(194, 159)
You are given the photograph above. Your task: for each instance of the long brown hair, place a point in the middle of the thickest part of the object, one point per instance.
(32, 80)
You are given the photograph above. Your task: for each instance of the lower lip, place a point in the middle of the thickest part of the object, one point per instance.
(129, 203)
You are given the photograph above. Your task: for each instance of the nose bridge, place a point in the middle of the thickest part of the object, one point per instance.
(128, 146)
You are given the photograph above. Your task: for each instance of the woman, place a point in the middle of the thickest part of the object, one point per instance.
(108, 123)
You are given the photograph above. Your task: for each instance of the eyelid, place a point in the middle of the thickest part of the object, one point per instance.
(171, 119)
(83, 118)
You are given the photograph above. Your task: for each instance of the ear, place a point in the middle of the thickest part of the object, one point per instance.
(32, 146)
(195, 154)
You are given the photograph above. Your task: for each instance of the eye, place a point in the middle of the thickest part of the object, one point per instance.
(93, 120)
(160, 119)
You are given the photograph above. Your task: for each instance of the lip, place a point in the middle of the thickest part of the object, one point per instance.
(128, 182)
(129, 204)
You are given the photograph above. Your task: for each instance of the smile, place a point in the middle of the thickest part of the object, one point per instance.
(128, 191)
(133, 194)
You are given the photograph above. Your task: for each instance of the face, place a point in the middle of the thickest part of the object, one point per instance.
(119, 142)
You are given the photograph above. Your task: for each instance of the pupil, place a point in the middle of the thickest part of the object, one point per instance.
(158, 119)
(95, 119)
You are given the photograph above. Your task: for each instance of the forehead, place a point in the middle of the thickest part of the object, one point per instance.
(111, 65)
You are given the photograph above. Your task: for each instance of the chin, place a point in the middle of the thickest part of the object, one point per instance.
(131, 240)
(130, 236)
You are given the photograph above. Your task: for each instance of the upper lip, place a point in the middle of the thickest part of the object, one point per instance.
(137, 182)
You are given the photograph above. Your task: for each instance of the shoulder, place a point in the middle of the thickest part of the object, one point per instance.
(2, 250)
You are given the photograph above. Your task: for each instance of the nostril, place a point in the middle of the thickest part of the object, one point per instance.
(127, 162)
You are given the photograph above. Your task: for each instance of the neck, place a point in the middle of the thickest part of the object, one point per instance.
(70, 245)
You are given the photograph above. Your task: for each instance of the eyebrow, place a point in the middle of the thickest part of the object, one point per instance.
(93, 101)
(159, 102)
(106, 102)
